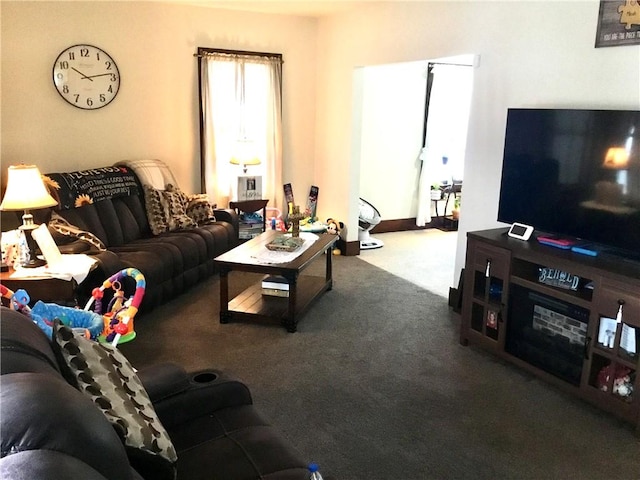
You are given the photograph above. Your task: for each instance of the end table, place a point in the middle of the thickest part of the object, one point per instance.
(250, 230)
(47, 289)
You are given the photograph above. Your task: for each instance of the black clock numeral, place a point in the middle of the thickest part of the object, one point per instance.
(98, 56)
(59, 76)
(64, 65)
(110, 89)
(72, 55)
(103, 98)
(84, 52)
(89, 102)
(113, 77)
(77, 97)
(108, 65)
(65, 89)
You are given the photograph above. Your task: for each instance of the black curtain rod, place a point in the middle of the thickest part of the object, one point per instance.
(202, 52)
(432, 64)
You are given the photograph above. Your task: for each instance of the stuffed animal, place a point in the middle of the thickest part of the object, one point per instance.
(334, 227)
(622, 382)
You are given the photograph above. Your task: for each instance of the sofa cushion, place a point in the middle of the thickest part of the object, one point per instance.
(106, 376)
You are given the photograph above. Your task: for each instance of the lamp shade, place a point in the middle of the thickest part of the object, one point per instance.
(245, 153)
(25, 189)
(616, 158)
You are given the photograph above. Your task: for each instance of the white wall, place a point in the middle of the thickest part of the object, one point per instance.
(392, 124)
(532, 54)
(155, 114)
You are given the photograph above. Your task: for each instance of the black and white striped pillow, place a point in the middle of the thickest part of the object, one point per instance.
(63, 227)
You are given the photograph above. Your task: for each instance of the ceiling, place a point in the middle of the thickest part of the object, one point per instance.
(305, 8)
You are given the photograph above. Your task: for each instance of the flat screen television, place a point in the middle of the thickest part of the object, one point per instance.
(574, 173)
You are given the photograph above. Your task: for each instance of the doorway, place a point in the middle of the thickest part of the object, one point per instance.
(390, 113)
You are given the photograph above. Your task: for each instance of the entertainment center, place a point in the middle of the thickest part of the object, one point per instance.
(555, 313)
(564, 303)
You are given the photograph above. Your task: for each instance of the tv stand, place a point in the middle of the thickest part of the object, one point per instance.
(571, 319)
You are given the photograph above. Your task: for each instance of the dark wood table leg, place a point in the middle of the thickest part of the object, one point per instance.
(329, 271)
(225, 315)
(291, 322)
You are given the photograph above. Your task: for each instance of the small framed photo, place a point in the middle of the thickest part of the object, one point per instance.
(249, 188)
(492, 319)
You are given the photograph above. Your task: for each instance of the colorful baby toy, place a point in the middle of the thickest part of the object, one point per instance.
(44, 314)
(118, 316)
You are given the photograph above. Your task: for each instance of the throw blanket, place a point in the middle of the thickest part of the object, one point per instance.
(151, 172)
(75, 189)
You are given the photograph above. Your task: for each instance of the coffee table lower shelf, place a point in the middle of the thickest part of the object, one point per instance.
(251, 304)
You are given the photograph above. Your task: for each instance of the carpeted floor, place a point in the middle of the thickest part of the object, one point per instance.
(374, 385)
(424, 257)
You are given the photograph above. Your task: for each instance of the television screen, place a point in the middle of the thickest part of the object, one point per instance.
(574, 173)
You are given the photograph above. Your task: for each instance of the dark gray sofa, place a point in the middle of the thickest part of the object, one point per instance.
(51, 430)
(172, 261)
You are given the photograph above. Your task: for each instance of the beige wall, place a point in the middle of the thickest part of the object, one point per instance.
(155, 114)
(532, 54)
(537, 53)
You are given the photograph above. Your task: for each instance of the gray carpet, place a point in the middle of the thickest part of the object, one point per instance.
(374, 385)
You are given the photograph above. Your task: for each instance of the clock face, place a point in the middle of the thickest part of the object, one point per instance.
(86, 77)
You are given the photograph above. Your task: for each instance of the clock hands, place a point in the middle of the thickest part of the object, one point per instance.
(99, 75)
(90, 77)
(83, 75)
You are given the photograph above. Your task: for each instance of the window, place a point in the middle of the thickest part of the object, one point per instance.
(240, 121)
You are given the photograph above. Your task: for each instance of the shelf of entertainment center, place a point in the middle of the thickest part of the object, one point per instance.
(580, 298)
(546, 310)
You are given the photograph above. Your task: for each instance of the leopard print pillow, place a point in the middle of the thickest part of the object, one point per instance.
(200, 209)
(156, 210)
(177, 218)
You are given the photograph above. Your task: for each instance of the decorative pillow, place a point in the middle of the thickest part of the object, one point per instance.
(200, 209)
(106, 376)
(63, 227)
(156, 210)
(177, 218)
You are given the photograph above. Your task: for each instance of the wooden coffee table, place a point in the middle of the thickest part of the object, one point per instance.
(303, 289)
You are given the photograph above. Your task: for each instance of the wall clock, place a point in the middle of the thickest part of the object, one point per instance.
(86, 77)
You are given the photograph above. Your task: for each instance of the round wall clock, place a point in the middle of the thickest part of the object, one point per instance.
(86, 77)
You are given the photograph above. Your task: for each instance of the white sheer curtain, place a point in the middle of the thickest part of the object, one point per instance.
(241, 98)
(447, 122)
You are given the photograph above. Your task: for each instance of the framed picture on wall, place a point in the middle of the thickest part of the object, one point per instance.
(618, 23)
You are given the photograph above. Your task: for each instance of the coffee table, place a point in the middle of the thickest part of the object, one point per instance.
(303, 289)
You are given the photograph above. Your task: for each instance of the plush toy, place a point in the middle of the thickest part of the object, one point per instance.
(334, 227)
(622, 382)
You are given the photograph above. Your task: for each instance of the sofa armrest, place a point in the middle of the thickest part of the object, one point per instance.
(228, 215)
(179, 396)
(76, 246)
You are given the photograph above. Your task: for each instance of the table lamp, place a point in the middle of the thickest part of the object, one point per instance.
(617, 158)
(245, 154)
(26, 191)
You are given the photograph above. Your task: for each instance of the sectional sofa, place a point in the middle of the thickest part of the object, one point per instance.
(133, 214)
